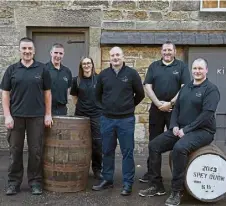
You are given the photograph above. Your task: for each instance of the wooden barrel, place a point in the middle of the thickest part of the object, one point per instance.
(67, 154)
(205, 177)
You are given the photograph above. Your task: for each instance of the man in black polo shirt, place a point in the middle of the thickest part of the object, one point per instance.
(162, 84)
(192, 126)
(26, 101)
(61, 80)
(120, 90)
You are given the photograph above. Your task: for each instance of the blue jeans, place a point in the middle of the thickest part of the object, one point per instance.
(181, 148)
(124, 130)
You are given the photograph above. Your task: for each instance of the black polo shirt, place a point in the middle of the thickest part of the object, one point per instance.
(194, 100)
(166, 80)
(84, 89)
(61, 81)
(26, 86)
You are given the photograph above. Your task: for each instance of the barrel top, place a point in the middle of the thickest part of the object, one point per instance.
(206, 177)
(71, 117)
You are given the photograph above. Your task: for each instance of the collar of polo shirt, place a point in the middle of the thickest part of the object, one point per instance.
(34, 64)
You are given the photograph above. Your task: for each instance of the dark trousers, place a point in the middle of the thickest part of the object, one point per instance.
(60, 109)
(96, 144)
(124, 130)
(157, 122)
(181, 148)
(34, 128)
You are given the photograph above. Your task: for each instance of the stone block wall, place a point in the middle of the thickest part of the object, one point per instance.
(158, 16)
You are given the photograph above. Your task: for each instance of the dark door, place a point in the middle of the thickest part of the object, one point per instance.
(216, 57)
(74, 44)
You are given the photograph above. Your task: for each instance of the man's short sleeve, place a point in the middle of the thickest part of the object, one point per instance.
(185, 77)
(211, 99)
(6, 80)
(149, 75)
(70, 79)
(46, 79)
(74, 87)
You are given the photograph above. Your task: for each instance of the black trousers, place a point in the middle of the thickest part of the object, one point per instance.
(157, 122)
(181, 148)
(34, 128)
(59, 109)
(96, 144)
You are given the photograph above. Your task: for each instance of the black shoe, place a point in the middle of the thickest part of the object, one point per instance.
(127, 190)
(97, 175)
(174, 199)
(12, 190)
(36, 189)
(144, 178)
(152, 191)
(104, 184)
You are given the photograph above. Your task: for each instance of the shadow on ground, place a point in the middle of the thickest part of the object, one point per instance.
(110, 197)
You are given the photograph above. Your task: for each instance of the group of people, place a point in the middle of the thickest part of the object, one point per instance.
(32, 92)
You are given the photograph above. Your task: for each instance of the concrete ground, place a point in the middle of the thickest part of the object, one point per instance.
(110, 197)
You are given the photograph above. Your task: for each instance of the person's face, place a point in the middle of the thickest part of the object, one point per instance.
(87, 65)
(57, 55)
(199, 70)
(27, 51)
(116, 57)
(168, 52)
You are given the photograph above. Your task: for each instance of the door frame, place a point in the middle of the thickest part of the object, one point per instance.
(85, 31)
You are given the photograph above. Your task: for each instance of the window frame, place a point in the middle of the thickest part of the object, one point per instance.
(212, 9)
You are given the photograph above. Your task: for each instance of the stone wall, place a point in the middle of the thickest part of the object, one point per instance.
(110, 15)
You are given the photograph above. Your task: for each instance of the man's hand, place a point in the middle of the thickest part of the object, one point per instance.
(160, 103)
(9, 122)
(48, 121)
(180, 133)
(165, 107)
(176, 131)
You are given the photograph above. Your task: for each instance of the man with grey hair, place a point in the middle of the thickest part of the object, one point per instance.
(61, 80)
(119, 89)
(192, 126)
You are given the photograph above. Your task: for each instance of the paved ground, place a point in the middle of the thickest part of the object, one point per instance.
(110, 197)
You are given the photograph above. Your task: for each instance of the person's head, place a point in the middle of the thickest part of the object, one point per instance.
(168, 51)
(116, 57)
(27, 49)
(86, 65)
(57, 53)
(199, 69)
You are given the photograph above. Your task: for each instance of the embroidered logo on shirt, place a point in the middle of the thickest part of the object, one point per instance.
(175, 72)
(65, 79)
(198, 94)
(38, 76)
(124, 79)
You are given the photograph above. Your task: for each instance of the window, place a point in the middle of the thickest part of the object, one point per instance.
(213, 5)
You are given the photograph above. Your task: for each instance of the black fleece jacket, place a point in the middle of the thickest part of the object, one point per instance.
(119, 93)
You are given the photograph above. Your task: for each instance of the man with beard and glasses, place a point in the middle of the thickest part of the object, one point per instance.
(162, 83)
(61, 80)
(119, 89)
(26, 101)
(192, 126)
